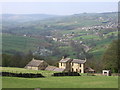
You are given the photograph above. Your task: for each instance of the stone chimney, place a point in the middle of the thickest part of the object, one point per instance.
(85, 59)
(63, 57)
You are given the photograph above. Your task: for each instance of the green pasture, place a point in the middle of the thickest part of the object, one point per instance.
(62, 82)
(19, 43)
(57, 82)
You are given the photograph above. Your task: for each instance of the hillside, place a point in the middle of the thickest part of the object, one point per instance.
(53, 36)
(13, 43)
(25, 17)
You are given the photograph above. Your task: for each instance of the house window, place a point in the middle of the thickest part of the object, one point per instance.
(80, 65)
(76, 70)
(72, 70)
(61, 64)
(72, 64)
(64, 64)
(80, 70)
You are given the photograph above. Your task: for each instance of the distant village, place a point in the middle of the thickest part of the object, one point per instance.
(95, 30)
(65, 39)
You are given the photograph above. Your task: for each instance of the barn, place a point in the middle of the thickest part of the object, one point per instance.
(36, 65)
(89, 70)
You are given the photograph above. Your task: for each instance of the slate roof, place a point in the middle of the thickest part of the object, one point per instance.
(53, 68)
(90, 69)
(65, 60)
(35, 62)
(78, 61)
(50, 68)
(59, 69)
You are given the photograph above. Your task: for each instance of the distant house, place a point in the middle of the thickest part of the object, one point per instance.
(77, 65)
(36, 65)
(55, 39)
(106, 72)
(89, 70)
(72, 65)
(64, 63)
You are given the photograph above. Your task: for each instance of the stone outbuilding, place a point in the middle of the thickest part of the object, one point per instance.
(42, 65)
(36, 65)
(89, 70)
(106, 72)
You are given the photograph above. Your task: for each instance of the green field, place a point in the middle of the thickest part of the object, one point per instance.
(22, 70)
(61, 82)
(20, 43)
(58, 82)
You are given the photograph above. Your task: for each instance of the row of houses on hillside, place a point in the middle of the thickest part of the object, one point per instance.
(97, 27)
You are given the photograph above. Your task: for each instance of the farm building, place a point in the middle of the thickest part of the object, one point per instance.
(89, 70)
(36, 65)
(53, 68)
(72, 65)
(106, 72)
(65, 64)
(42, 65)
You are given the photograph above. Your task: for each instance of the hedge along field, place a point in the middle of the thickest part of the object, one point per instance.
(57, 82)
(22, 70)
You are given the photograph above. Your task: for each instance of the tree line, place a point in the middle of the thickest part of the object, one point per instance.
(110, 59)
(18, 59)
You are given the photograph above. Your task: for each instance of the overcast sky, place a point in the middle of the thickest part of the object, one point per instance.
(58, 8)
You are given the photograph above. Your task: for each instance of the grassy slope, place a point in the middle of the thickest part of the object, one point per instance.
(101, 44)
(19, 43)
(101, 47)
(24, 44)
(58, 82)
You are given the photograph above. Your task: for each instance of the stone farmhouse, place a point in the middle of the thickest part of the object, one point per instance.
(65, 64)
(41, 65)
(36, 65)
(72, 65)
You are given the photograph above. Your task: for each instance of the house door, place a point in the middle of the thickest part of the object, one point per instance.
(80, 70)
(76, 70)
(72, 70)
